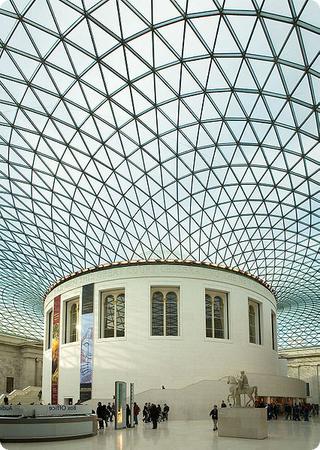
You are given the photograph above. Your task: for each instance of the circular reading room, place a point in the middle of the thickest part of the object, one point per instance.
(166, 325)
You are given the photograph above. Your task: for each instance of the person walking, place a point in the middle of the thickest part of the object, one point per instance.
(154, 416)
(214, 417)
(165, 412)
(136, 411)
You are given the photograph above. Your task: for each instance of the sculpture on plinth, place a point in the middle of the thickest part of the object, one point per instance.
(240, 385)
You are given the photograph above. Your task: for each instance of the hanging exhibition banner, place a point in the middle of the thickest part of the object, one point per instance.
(55, 350)
(120, 404)
(86, 351)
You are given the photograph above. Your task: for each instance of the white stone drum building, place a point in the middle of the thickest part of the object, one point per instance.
(170, 324)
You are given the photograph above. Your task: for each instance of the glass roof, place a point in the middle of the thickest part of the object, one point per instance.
(160, 129)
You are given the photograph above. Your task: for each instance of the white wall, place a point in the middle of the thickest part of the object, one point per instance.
(20, 359)
(174, 362)
(196, 400)
(304, 363)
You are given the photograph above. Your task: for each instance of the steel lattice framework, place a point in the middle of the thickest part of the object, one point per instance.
(160, 129)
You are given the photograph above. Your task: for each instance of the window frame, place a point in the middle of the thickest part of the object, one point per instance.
(213, 293)
(103, 295)
(258, 321)
(165, 289)
(67, 325)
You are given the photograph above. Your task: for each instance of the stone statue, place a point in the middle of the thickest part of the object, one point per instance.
(238, 386)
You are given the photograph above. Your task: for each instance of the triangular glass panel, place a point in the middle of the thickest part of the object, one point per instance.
(173, 34)
(292, 50)
(225, 42)
(207, 27)
(192, 45)
(242, 25)
(258, 44)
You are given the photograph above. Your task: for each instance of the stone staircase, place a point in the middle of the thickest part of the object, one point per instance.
(24, 396)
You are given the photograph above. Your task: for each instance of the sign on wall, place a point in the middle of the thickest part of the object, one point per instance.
(11, 410)
(61, 410)
(55, 350)
(86, 352)
(120, 404)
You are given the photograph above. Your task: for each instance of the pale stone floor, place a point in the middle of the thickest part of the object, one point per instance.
(188, 435)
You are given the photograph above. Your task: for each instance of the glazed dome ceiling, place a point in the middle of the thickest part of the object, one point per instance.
(160, 129)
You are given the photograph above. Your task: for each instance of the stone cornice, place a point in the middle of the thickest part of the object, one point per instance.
(108, 266)
(21, 342)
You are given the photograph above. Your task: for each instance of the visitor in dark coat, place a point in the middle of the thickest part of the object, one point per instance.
(100, 415)
(214, 416)
(128, 415)
(154, 415)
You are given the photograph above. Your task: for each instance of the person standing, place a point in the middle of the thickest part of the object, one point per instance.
(136, 411)
(305, 413)
(288, 411)
(100, 415)
(128, 415)
(105, 414)
(145, 413)
(159, 412)
(109, 409)
(154, 416)
(214, 417)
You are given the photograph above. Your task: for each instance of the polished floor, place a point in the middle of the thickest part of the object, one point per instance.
(191, 435)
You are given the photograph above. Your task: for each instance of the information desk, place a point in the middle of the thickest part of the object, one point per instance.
(46, 423)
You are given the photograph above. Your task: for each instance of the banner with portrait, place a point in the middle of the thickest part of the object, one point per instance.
(55, 350)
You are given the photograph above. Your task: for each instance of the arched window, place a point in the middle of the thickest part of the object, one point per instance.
(164, 312)
(113, 314)
(216, 308)
(254, 322)
(49, 328)
(74, 313)
(157, 314)
(72, 321)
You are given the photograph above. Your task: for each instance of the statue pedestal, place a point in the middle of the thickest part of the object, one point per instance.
(249, 423)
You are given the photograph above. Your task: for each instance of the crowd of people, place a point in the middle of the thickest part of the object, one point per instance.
(298, 412)
(151, 414)
(105, 414)
(154, 413)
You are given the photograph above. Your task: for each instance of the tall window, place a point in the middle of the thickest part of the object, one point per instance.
(216, 306)
(254, 322)
(49, 329)
(164, 311)
(113, 314)
(72, 321)
(274, 330)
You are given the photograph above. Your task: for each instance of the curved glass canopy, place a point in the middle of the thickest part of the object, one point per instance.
(160, 129)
